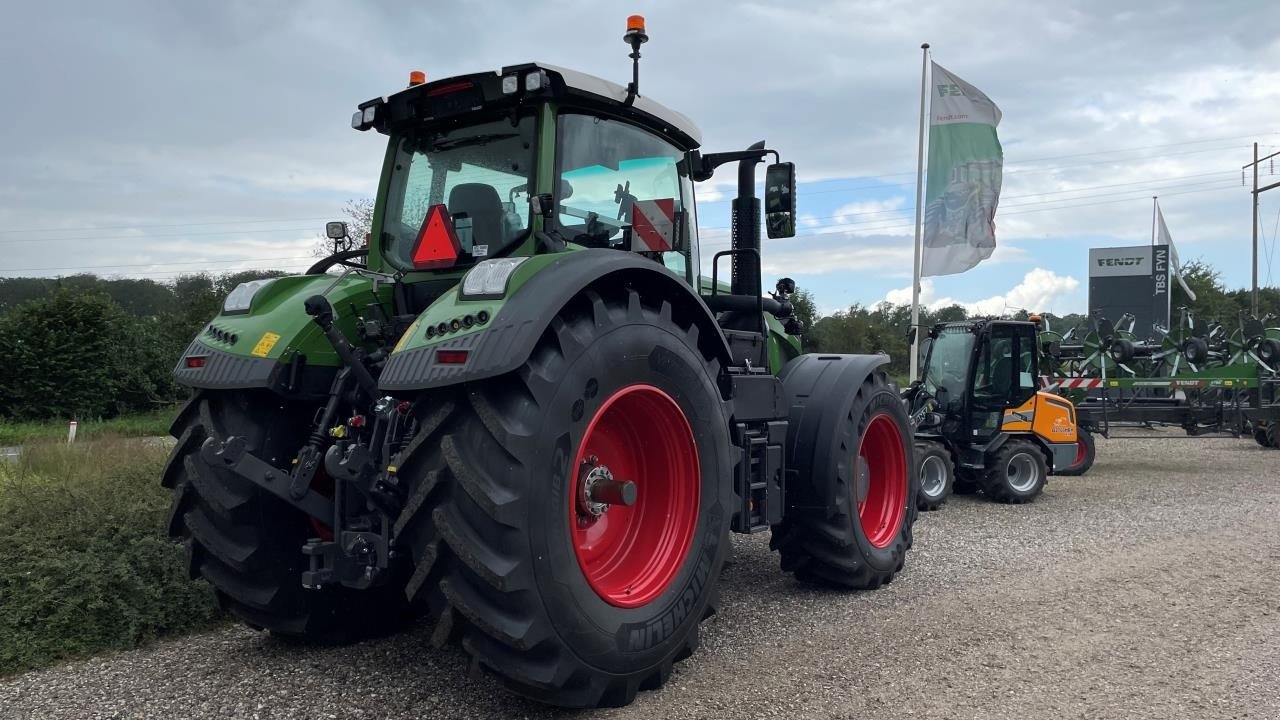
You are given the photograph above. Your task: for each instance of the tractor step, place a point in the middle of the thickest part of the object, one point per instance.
(758, 478)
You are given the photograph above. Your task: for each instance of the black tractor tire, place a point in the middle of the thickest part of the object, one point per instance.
(246, 542)
(1016, 472)
(937, 475)
(823, 537)
(494, 523)
(1085, 453)
(1260, 434)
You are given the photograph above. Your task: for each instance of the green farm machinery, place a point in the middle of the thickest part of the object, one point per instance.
(520, 413)
(1200, 376)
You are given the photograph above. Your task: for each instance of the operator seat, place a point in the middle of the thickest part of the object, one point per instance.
(483, 205)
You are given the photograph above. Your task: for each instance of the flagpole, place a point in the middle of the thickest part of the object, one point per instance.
(915, 268)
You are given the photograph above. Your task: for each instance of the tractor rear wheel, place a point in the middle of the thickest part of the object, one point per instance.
(568, 521)
(246, 542)
(852, 530)
(937, 474)
(1016, 472)
(1085, 451)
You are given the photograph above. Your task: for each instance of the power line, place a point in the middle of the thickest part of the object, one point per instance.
(832, 229)
(161, 235)
(155, 264)
(1146, 183)
(176, 225)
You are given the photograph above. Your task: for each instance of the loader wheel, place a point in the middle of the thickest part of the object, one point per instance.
(937, 474)
(1016, 472)
(246, 542)
(568, 521)
(1085, 451)
(851, 529)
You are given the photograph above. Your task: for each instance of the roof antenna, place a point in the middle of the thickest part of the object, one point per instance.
(635, 37)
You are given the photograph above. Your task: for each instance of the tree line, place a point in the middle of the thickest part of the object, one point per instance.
(88, 347)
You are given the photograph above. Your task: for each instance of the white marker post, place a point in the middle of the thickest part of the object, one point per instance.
(71, 432)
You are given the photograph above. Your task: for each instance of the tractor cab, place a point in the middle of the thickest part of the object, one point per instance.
(487, 170)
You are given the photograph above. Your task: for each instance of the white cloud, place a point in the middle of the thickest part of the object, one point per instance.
(1039, 291)
(870, 211)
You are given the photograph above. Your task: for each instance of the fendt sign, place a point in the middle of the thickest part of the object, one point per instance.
(1131, 280)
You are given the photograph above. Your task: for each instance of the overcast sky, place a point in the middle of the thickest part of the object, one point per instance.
(154, 138)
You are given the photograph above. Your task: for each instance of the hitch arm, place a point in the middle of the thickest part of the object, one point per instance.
(322, 313)
(234, 455)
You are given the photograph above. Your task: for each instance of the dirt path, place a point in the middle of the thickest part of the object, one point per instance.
(1148, 589)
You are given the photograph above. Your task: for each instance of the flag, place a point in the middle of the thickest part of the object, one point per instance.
(1164, 238)
(965, 166)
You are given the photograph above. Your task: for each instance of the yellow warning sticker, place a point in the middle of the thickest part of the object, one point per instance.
(404, 339)
(264, 345)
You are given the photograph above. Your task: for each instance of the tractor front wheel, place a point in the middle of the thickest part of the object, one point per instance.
(1016, 472)
(849, 517)
(568, 521)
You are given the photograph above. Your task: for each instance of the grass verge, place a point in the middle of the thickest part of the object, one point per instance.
(148, 424)
(84, 564)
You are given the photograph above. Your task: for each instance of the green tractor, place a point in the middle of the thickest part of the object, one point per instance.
(520, 413)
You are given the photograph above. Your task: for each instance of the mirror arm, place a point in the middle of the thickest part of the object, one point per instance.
(702, 167)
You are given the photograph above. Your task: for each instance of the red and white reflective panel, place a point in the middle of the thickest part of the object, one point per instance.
(437, 245)
(653, 225)
(1085, 383)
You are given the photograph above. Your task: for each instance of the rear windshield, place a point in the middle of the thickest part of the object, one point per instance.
(481, 173)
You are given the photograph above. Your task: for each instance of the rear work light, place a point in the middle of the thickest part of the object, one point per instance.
(451, 357)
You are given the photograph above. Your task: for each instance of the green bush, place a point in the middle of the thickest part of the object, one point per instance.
(84, 564)
(80, 355)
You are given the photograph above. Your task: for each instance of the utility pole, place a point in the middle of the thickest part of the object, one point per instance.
(1256, 191)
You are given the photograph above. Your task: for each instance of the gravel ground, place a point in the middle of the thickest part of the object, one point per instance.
(1149, 588)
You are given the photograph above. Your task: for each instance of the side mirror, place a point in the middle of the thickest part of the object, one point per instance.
(335, 230)
(780, 200)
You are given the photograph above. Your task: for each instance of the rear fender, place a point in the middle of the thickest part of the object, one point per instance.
(275, 344)
(543, 285)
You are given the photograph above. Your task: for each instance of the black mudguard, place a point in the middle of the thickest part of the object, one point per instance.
(515, 329)
(818, 388)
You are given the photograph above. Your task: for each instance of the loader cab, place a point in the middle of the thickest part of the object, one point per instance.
(978, 370)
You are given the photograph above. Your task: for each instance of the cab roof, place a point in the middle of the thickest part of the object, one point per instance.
(462, 94)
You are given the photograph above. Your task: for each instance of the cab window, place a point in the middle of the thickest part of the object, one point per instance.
(620, 187)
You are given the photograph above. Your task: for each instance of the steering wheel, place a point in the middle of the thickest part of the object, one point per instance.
(343, 258)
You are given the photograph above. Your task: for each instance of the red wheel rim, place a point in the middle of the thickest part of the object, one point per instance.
(631, 554)
(883, 459)
(1081, 452)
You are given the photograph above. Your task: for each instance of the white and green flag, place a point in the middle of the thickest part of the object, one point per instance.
(963, 188)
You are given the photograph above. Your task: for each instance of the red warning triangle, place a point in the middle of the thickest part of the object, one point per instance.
(438, 245)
